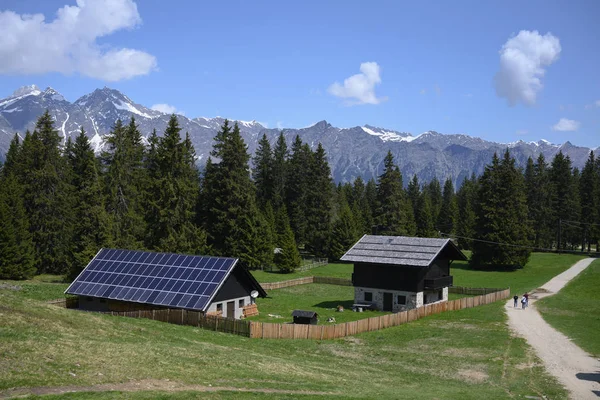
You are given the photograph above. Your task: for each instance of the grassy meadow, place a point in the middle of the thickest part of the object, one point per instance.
(575, 310)
(466, 354)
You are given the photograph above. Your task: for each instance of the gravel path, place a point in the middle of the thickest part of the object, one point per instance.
(572, 366)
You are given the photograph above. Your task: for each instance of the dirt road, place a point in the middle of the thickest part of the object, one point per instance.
(573, 367)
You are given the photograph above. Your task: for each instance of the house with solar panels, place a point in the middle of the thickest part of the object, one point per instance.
(397, 273)
(125, 280)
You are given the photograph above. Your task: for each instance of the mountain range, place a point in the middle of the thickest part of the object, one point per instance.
(352, 152)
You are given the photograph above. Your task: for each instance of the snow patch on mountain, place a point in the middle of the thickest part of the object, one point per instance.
(387, 136)
(97, 142)
(120, 105)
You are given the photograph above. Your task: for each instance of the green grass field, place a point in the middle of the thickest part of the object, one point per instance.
(575, 310)
(466, 354)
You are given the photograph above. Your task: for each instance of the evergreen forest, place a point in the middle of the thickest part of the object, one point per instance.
(60, 203)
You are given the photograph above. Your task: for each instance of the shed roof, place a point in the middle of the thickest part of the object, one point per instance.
(304, 314)
(401, 250)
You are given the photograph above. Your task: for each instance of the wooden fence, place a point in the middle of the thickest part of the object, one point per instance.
(306, 280)
(264, 330)
(308, 264)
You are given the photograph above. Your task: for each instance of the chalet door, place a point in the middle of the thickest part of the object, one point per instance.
(230, 309)
(388, 302)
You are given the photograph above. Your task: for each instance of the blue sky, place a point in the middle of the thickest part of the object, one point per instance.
(423, 65)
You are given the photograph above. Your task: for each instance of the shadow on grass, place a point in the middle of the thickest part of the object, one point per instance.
(347, 304)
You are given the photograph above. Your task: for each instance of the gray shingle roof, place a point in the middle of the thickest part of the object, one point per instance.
(400, 250)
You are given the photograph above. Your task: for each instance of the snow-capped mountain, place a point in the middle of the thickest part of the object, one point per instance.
(357, 151)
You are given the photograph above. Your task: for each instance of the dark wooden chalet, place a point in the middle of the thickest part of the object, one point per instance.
(396, 273)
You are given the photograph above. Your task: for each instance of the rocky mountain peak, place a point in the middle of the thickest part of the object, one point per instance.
(29, 90)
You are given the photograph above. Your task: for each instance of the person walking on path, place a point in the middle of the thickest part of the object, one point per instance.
(523, 302)
(516, 299)
(526, 295)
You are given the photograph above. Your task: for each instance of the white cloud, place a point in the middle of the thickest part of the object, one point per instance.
(522, 132)
(593, 105)
(31, 45)
(167, 109)
(523, 59)
(360, 88)
(566, 125)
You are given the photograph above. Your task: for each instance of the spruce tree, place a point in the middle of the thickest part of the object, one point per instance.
(344, 232)
(435, 195)
(446, 221)
(12, 156)
(414, 193)
(588, 196)
(124, 184)
(48, 197)
(92, 229)
(175, 184)
(502, 229)
(279, 173)
(424, 217)
(564, 201)
(16, 246)
(262, 173)
(394, 214)
(539, 202)
(318, 203)
(298, 167)
(287, 258)
(467, 203)
(233, 222)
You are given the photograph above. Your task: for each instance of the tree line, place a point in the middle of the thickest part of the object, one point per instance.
(60, 203)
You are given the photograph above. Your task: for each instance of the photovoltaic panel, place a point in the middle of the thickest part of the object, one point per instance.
(164, 279)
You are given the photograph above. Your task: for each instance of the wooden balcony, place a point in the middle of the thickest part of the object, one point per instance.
(438, 283)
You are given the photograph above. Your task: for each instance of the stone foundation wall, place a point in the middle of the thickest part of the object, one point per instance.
(413, 299)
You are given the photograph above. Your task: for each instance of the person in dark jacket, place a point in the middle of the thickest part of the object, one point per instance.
(516, 299)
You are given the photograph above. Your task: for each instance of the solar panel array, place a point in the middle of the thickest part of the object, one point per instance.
(164, 279)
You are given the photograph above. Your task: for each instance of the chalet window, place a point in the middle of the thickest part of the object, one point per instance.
(401, 299)
(220, 307)
(241, 303)
(368, 296)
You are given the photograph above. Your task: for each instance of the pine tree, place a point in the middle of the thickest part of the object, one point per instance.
(588, 196)
(287, 257)
(262, 173)
(124, 182)
(414, 193)
(48, 197)
(466, 201)
(502, 226)
(370, 206)
(446, 221)
(233, 222)
(318, 203)
(394, 212)
(92, 229)
(16, 247)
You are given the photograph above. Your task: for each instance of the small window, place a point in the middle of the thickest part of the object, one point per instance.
(368, 296)
(220, 307)
(241, 303)
(401, 299)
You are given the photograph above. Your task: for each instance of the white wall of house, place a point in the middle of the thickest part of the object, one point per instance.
(238, 303)
(402, 300)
